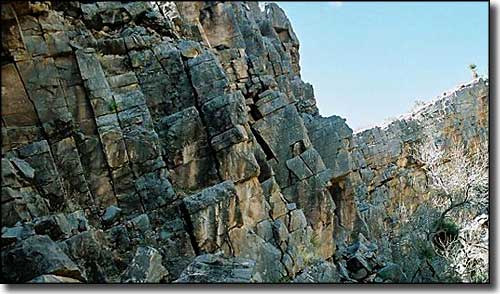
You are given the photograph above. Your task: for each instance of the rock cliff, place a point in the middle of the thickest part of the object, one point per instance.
(176, 142)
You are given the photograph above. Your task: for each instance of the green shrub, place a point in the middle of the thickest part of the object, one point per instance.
(315, 240)
(449, 227)
(424, 249)
(113, 106)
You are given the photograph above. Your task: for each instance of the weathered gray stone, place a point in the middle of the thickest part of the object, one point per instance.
(207, 77)
(53, 279)
(224, 112)
(16, 234)
(361, 257)
(186, 145)
(189, 49)
(9, 178)
(360, 274)
(280, 136)
(145, 267)
(111, 214)
(141, 223)
(299, 168)
(233, 136)
(212, 213)
(265, 230)
(90, 250)
(55, 226)
(391, 272)
(155, 189)
(297, 220)
(35, 256)
(321, 272)
(25, 169)
(280, 230)
(270, 102)
(278, 204)
(129, 117)
(216, 268)
(238, 163)
(247, 244)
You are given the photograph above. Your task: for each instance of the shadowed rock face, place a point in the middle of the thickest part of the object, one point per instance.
(215, 268)
(162, 141)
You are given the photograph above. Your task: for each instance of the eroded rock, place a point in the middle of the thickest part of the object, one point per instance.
(139, 136)
(217, 268)
(145, 267)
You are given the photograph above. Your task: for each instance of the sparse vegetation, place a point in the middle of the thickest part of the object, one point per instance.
(315, 240)
(451, 233)
(113, 106)
(308, 252)
(473, 69)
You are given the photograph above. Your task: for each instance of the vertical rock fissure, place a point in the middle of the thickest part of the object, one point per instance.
(205, 123)
(178, 127)
(188, 226)
(265, 147)
(336, 192)
(99, 139)
(42, 130)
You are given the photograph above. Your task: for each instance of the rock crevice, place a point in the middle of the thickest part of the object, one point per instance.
(176, 142)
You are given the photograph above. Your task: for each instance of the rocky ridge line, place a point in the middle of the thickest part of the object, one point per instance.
(176, 141)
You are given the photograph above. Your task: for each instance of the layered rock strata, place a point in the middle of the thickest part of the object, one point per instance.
(161, 141)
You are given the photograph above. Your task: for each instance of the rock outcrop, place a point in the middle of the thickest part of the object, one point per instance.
(176, 141)
(215, 268)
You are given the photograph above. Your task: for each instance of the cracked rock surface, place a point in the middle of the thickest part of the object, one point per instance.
(148, 142)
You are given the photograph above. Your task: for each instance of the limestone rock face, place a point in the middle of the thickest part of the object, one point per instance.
(176, 141)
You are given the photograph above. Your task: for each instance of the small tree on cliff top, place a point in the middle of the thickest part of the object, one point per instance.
(473, 69)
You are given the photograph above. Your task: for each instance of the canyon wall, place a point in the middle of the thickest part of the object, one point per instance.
(177, 142)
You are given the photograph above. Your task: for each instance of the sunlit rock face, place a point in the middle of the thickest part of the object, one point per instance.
(166, 141)
(379, 178)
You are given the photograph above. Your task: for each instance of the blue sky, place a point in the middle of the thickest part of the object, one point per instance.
(371, 61)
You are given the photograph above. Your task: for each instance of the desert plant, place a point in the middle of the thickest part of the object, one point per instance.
(315, 240)
(473, 69)
(113, 106)
(459, 185)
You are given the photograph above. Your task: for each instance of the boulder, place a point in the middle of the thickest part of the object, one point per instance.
(361, 254)
(212, 212)
(16, 234)
(248, 244)
(55, 226)
(391, 272)
(111, 214)
(145, 267)
(217, 268)
(36, 256)
(53, 279)
(26, 170)
(90, 250)
(320, 272)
